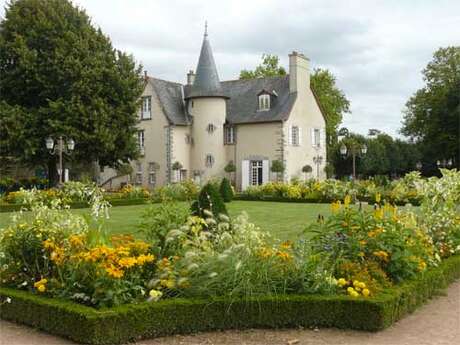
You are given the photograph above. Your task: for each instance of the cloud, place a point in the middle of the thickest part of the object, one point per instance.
(376, 49)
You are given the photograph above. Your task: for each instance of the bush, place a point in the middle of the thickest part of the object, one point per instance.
(183, 191)
(209, 199)
(226, 190)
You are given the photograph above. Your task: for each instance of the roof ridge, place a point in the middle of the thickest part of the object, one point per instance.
(167, 81)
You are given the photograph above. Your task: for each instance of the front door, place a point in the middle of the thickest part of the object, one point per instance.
(256, 173)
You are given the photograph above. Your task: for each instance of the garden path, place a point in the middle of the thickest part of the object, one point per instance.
(436, 323)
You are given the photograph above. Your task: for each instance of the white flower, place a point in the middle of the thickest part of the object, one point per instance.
(24, 283)
(213, 274)
(238, 265)
(8, 300)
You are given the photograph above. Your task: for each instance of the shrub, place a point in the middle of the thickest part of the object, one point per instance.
(209, 199)
(226, 190)
(184, 191)
(159, 220)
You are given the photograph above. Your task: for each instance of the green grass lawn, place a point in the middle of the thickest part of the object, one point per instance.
(282, 220)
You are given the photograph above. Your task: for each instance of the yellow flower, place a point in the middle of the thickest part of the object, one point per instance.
(347, 200)
(335, 207)
(283, 255)
(48, 244)
(76, 240)
(155, 295)
(127, 262)
(378, 198)
(342, 282)
(57, 255)
(382, 255)
(365, 292)
(362, 285)
(114, 272)
(361, 254)
(350, 290)
(41, 288)
(41, 282)
(168, 283)
(286, 245)
(422, 265)
(363, 242)
(378, 213)
(142, 259)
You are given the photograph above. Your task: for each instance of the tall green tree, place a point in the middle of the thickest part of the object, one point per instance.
(268, 68)
(59, 75)
(432, 114)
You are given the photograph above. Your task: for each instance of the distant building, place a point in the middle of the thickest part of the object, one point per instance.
(195, 130)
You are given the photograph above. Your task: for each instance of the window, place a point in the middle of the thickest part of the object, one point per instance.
(256, 173)
(264, 102)
(295, 135)
(139, 173)
(229, 135)
(316, 137)
(188, 139)
(183, 175)
(141, 141)
(211, 128)
(146, 112)
(209, 161)
(153, 173)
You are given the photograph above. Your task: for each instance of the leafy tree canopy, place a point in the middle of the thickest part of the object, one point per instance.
(432, 114)
(61, 76)
(268, 68)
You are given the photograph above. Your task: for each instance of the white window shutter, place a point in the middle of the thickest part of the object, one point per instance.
(265, 171)
(322, 137)
(244, 174)
(312, 135)
(289, 134)
(300, 136)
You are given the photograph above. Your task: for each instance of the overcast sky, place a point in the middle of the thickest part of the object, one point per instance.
(376, 49)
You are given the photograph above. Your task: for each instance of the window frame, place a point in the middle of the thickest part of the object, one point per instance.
(229, 135)
(146, 108)
(209, 160)
(264, 102)
(295, 135)
(317, 137)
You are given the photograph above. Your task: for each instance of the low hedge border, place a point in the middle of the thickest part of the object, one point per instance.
(180, 316)
(306, 200)
(113, 202)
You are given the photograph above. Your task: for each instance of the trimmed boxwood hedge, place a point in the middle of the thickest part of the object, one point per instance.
(113, 202)
(181, 316)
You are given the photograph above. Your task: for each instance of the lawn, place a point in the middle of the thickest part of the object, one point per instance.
(283, 220)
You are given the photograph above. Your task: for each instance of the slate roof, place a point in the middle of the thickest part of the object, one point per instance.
(171, 99)
(242, 107)
(206, 83)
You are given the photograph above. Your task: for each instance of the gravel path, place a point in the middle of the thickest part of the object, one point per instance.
(436, 323)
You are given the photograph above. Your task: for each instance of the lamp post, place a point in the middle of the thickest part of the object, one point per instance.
(318, 159)
(353, 149)
(444, 163)
(60, 148)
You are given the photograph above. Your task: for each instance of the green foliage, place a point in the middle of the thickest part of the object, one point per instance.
(60, 75)
(307, 169)
(432, 113)
(230, 167)
(209, 199)
(226, 190)
(176, 166)
(182, 316)
(158, 221)
(268, 68)
(277, 166)
(183, 191)
(332, 101)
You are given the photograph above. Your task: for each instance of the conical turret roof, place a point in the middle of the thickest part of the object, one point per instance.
(206, 83)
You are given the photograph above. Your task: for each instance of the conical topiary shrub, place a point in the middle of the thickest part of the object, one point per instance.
(226, 190)
(209, 199)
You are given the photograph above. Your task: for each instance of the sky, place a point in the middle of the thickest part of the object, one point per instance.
(376, 49)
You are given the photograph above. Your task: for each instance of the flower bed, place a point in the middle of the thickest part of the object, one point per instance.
(359, 262)
(181, 316)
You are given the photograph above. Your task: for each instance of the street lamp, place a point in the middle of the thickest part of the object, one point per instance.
(444, 163)
(353, 149)
(60, 148)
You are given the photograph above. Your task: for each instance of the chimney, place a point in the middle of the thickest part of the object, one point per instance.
(190, 77)
(299, 73)
(145, 75)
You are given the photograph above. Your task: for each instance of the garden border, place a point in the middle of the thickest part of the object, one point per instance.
(181, 316)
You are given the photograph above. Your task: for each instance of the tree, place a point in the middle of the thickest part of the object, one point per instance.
(332, 101)
(432, 114)
(226, 190)
(277, 168)
(268, 68)
(209, 199)
(61, 76)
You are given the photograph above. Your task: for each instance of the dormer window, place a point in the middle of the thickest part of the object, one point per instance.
(264, 101)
